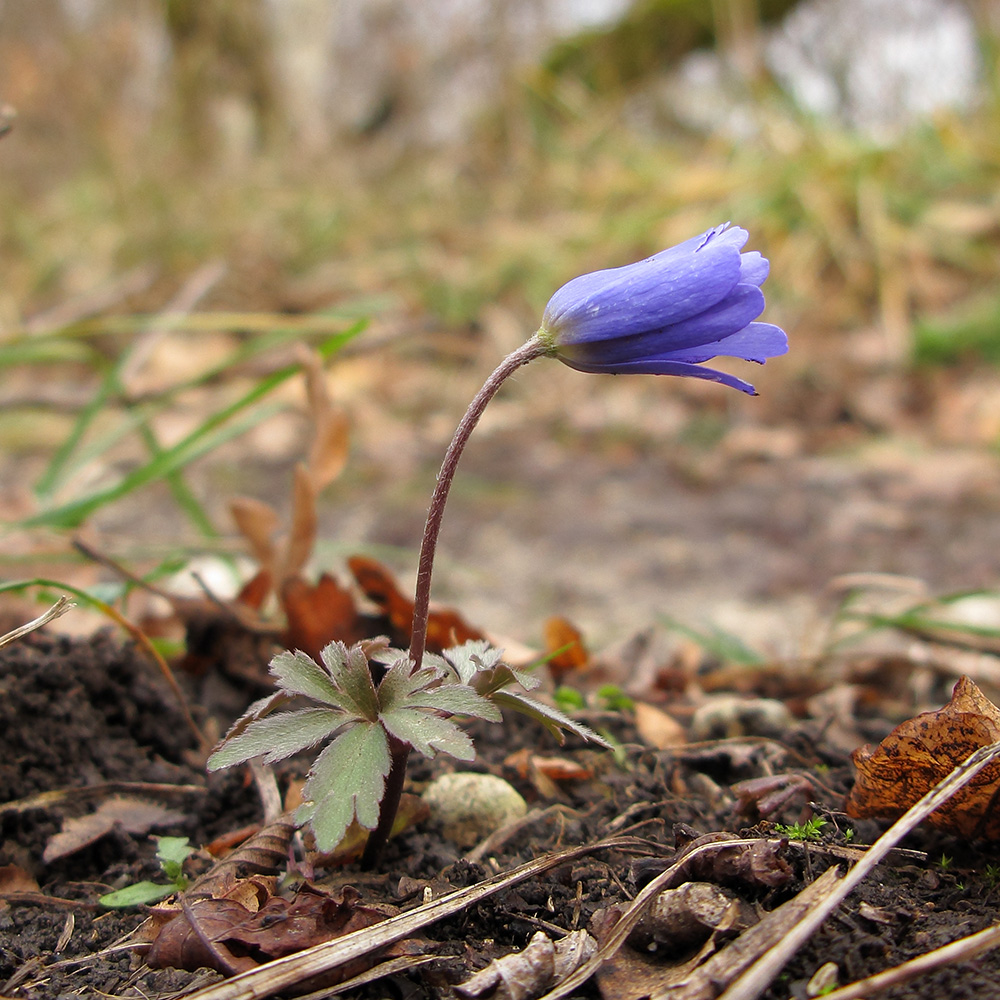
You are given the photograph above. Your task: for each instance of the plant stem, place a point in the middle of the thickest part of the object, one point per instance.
(533, 348)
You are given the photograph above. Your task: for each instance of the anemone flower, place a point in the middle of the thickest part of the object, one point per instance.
(668, 314)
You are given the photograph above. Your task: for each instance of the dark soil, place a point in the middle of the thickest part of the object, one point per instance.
(91, 715)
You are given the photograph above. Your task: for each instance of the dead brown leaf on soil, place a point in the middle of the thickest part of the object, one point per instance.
(132, 815)
(918, 753)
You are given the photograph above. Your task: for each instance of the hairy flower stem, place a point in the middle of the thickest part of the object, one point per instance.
(534, 348)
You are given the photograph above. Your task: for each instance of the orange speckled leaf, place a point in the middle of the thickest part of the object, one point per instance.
(918, 753)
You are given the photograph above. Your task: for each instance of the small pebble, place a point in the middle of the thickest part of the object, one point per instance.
(728, 715)
(471, 806)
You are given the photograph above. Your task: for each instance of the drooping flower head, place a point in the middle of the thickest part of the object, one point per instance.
(668, 314)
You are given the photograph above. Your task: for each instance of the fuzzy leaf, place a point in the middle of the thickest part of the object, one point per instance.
(503, 676)
(428, 733)
(347, 782)
(553, 720)
(349, 669)
(299, 673)
(398, 685)
(278, 736)
(455, 699)
(472, 657)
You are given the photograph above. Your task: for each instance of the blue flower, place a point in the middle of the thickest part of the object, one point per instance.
(667, 314)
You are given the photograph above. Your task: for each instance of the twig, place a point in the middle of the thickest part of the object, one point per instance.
(962, 950)
(56, 611)
(95, 301)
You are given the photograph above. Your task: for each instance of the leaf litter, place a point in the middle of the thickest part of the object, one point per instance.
(689, 801)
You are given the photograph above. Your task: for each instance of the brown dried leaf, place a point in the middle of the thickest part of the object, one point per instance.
(565, 640)
(179, 945)
(283, 926)
(918, 753)
(529, 973)
(318, 613)
(302, 535)
(257, 522)
(657, 728)
(133, 815)
(241, 939)
(755, 865)
(13, 878)
(445, 627)
(265, 853)
(331, 438)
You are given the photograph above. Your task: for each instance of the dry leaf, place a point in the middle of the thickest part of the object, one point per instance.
(133, 815)
(531, 972)
(257, 522)
(527, 764)
(14, 879)
(241, 938)
(331, 440)
(564, 640)
(657, 728)
(318, 613)
(302, 534)
(918, 753)
(445, 627)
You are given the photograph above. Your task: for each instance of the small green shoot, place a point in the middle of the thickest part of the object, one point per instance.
(811, 829)
(849, 835)
(171, 852)
(408, 708)
(568, 699)
(614, 698)
(946, 862)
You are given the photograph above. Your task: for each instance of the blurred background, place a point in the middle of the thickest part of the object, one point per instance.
(192, 188)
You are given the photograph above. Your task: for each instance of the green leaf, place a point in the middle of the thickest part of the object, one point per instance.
(172, 852)
(299, 673)
(278, 736)
(398, 684)
(347, 782)
(550, 717)
(353, 679)
(428, 733)
(472, 657)
(455, 699)
(140, 894)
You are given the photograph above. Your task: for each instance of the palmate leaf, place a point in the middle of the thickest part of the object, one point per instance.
(278, 736)
(347, 782)
(472, 657)
(299, 673)
(553, 720)
(398, 684)
(348, 667)
(455, 699)
(428, 733)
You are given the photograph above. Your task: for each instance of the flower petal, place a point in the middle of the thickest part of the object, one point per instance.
(754, 268)
(667, 368)
(650, 294)
(736, 311)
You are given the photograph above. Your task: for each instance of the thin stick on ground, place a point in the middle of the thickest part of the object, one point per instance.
(56, 611)
(962, 950)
